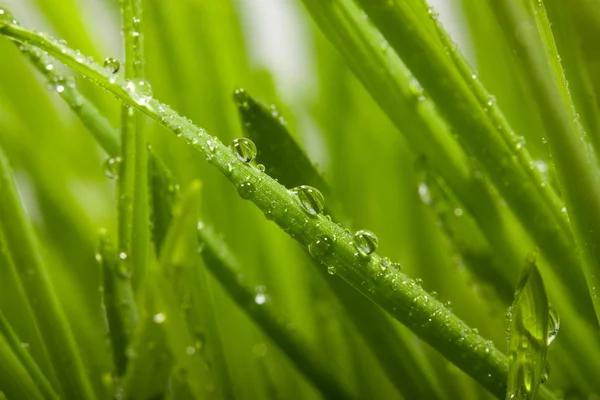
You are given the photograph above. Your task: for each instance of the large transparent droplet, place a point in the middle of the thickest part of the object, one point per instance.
(366, 242)
(546, 372)
(321, 246)
(246, 189)
(244, 149)
(553, 324)
(310, 198)
(140, 90)
(112, 65)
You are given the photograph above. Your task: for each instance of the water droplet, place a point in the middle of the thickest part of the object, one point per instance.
(321, 246)
(112, 65)
(519, 142)
(553, 324)
(260, 167)
(546, 372)
(366, 242)
(310, 198)
(139, 90)
(123, 256)
(424, 193)
(384, 263)
(244, 149)
(246, 189)
(260, 349)
(6, 17)
(331, 270)
(111, 167)
(260, 298)
(190, 350)
(159, 318)
(458, 212)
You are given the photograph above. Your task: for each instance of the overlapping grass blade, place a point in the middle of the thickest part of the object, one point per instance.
(23, 248)
(15, 382)
(221, 264)
(289, 164)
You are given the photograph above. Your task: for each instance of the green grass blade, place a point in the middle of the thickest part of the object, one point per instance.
(163, 191)
(392, 290)
(10, 338)
(22, 244)
(133, 201)
(290, 165)
(118, 302)
(528, 337)
(220, 263)
(577, 166)
(15, 382)
(462, 109)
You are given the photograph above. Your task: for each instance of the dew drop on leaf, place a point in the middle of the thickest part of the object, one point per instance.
(244, 149)
(553, 324)
(159, 318)
(331, 270)
(246, 189)
(546, 372)
(6, 17)
(112, 65)
(366, 242)
(321, 246)
(310, 198)
(111, 167)
(139, 90)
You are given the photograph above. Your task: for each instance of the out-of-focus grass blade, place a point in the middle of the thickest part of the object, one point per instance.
(221, 264)
(15, 382)
(10, 337)
(24, 251)
(163, 191)
(528, 337)
(282, 157)
(118, 302)
(285, 160)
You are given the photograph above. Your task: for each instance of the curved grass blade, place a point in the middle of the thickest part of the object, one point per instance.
(23, 248)
(460, 106)
(528, 337)
(118, 302)
(11, 339)
(285, 160)
(577, 166)
(395, 292)
(15, 382)
(220, 263)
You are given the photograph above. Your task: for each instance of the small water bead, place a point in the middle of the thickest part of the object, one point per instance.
(246, 189)
(140, 90)
(366, 242)
(244, 149)
(553, 324)
(159, 318)
(260, 167)
(519, 142)
(112, 65)
(6, 17)
(384, 263)
(321, 246)
(424, 193)
(331, 270)
(310, 199)
(111, 167)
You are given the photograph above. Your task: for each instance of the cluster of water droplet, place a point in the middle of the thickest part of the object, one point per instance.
(6, 18)
(140, 90)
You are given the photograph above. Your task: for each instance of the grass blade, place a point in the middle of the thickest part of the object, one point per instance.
(528, 338)
(118, 302)
(15, 383)
(133, 202)
(10, 338)
(220, 263)
(577, 166)
(21, 241)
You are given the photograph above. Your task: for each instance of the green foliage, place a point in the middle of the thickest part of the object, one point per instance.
(399, 135)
